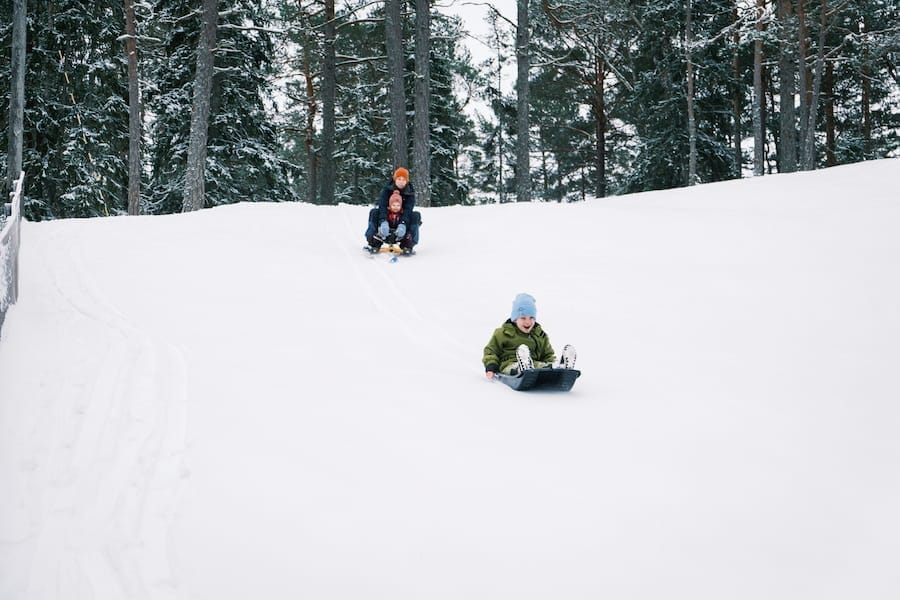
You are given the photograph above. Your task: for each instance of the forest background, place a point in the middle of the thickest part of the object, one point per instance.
(162, 106)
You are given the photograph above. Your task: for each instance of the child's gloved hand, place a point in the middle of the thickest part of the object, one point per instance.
(384, 229)
(401, 230)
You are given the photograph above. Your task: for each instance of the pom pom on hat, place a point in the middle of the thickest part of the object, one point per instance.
(523, 306)
(401, 172)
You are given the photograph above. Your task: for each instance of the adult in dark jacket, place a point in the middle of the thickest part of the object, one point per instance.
(406, 231)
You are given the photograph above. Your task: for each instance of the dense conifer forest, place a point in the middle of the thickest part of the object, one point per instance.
(181, 105)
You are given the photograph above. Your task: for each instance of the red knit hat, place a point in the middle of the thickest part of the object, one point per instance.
(401, 172)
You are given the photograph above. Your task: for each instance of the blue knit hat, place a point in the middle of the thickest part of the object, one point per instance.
(523, 306)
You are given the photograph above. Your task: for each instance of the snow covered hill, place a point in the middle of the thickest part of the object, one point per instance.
(237, 403)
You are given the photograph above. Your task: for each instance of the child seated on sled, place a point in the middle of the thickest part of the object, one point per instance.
(520, 343)
(391, 222)
(392, 230)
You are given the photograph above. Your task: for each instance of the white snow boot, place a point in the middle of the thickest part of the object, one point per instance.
(523, 357)
(567, 359)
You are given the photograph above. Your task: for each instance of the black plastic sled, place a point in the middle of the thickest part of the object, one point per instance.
(553, 380)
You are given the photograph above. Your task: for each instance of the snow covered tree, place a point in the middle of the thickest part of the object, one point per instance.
(135, 129)
(396, 72)
(582, 45)
(657, 106)
(74, 140)
(608, 98)
(422, 103)
(565, 138)
(16, 95)
(861, 82)
(300, 56)
(451, 129)
(523, 102)
(328, 87)
(364, 161)
(365, 123)
(759, 101)
(243, 162)
(689, 84)
(195, 176)
(495, 132)
(787, 86)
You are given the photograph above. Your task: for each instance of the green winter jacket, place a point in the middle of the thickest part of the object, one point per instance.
(500, 351)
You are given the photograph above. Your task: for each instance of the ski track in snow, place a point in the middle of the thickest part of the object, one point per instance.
(117, 417)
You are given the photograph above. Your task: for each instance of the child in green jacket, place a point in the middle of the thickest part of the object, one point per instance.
(520, 343)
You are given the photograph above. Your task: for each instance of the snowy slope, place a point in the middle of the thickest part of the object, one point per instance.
(237, 403)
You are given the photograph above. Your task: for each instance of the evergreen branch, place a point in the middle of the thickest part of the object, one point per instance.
(236, 27)
(354, 60)
(892, 70)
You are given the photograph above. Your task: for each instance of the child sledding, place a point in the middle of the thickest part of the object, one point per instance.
(393, 224)
(520, 355)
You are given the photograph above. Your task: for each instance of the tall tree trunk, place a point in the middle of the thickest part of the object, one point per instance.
(501, 183)
(523, 127)
(600, 121)
(422, 125)
(393, 31)
(736, 98)
(830, 157)
(691, 122)
(312, 163)
(759, 98)
(787, 64)
(805, 88)
(544, 170)
(195, 177)
(770, 109)
(809, 142)
(16, 96)
(329, 85)
(866, 83)
(134, 112)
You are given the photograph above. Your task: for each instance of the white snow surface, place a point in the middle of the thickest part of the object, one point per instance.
(239, 403)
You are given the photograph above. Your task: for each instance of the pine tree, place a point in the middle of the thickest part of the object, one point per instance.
(75, 109)
(657, 107)
(299, 55)
(135, 126)
(328, 157)
(364, 160)
(16, 95)
(451, 129)
(243, 157)
(565, 137)
(863, 94)
(194, 193)
(422, 102)
(582, 48)
(493, 173)
(394, 35)
(523, 102)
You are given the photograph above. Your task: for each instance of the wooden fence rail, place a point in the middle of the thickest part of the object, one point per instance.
(10, 237)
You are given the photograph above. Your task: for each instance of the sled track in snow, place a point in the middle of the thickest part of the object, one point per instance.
(121, 417)
(379, 283)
